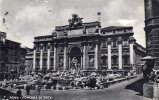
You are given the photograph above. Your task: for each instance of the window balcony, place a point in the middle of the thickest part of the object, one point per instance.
(126, 67)
(104, 67)
(115, 66)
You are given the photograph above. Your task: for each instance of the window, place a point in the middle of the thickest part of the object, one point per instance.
(37, 48)
(126, 60)
(104, 44)
(114, 43)
(51, 61)
(37, 62)
(9, 51)
(6, 51)
(16, 53)
(45, 47)
(44, 61)
(125, 43)
(16, 59)
(114, 60)
(6, 59)
(50, 47)
(103, 58)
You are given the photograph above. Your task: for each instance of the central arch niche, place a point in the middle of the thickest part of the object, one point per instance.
(75, 58)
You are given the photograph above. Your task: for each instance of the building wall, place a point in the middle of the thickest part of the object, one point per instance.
(10, 56)
(152, 29)
(86, 47)
(23, 52)
(28, 62)
(90, 50)
(2, 42)
(28, 66)
(104, 55)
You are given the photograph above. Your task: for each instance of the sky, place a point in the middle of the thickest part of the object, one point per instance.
(22, 20)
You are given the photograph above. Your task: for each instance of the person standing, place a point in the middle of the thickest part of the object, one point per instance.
(39, 89)
(28, 89)
(19, 94)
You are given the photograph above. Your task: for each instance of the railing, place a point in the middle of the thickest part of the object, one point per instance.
(118, 80)
(126, 66)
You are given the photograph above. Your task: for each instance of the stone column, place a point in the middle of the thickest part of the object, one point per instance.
(34, 57)
(41, 56)
(81, 62)
(69, 66)
(96, 60)
(65, 54)
(84, 56)
(131, 44)
(55, 56)
(120, 52)
(48, 56)
(65, 58)
(109, 54)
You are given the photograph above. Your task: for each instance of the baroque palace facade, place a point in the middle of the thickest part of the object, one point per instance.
(86, 47)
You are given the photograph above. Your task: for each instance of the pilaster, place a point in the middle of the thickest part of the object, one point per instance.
(96, 61)
(34, 58)
(84, 44)
(131, 46)
(109, 54)
(48, 56)
(120, 52)
(55, 55)
(65, 54)
(41, 56)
